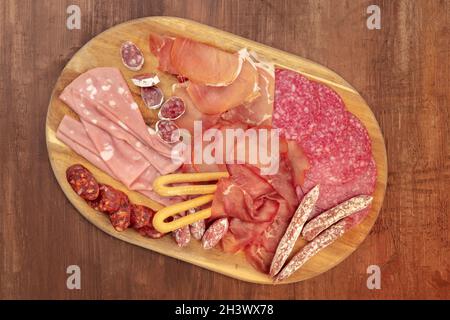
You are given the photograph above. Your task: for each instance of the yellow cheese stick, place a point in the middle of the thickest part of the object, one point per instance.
(164, 213)
(160, 183)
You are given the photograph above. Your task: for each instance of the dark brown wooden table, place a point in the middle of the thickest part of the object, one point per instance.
(402, 70)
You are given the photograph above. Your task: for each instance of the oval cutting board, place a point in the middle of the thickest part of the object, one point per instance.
(103, 50)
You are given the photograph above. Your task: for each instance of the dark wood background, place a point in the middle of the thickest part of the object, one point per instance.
(401, 70)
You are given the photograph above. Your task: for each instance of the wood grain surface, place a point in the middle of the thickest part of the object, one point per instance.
(402, 71)
(103, 51)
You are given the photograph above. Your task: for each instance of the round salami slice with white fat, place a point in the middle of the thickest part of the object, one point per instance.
(168, 131)
(153, 97)
(132, 56)
(145, 80)
(172, 109)
(215, 233)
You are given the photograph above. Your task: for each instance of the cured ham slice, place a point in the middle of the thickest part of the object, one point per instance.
(259, 111)
(256, 232)
(204, 64)
(215, 100)
(161, 47)
(192, 113)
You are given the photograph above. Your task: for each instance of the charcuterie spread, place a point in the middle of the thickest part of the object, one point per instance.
(245, 155)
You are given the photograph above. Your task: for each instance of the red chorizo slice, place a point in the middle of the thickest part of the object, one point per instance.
(141, 216)
(111, 199)
(121, 218)
(82, 182)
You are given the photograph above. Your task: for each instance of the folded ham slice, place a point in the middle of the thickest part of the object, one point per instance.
(259, 111)
(204, 64)
(161, 46)
(259, 207)
(216, 100)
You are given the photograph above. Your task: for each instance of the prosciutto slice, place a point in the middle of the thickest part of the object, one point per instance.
(216, 100)
(259, 111)
(204, 64)
(161, 46)
(259, 207)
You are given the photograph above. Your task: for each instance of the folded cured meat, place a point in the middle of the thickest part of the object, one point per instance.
(259, 111)
(204, 64)
(161, 46)
(259, 208)
(192, 113)
(215, 100)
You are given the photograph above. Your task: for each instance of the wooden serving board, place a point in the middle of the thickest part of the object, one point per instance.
(103, 50)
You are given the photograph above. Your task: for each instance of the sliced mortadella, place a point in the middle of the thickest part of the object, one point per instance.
(204, 64)
(215, 100)
(161, 46)
(107, 88)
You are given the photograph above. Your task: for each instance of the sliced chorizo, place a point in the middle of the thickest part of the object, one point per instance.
(82, 182)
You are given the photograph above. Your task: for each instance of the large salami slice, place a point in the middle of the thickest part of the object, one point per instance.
(334, 141)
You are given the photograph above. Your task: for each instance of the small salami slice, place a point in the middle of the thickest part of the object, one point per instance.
(145, 80)
(132, 56)
(197, 228)
(215, 233)
(153, 97)
(111, 199)
(182, 235)
(168, 131)
(82, 182)
(141, 216)
(172, 109)
(120, 219)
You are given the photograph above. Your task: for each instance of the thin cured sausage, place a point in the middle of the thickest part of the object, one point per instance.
(330, 217)
(293, 231)
(307, 252)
